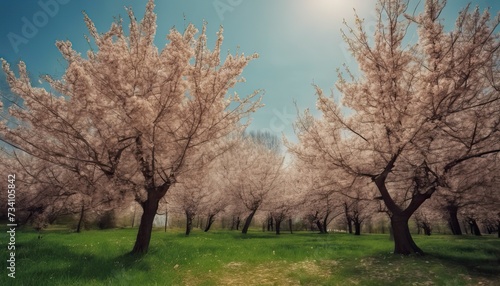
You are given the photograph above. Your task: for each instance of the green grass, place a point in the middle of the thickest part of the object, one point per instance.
(61, 257)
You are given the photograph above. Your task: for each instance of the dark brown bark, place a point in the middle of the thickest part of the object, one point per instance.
(270, 226)
(427, 228)
(155, 194)
(453, 220)
(320, 226)
(349, 225)
(477, 231)
(149, 207)
(403, 242)
(290, 225)
(489, 229)
(325, 224)
(210, 221)
(189, 222)
(80, 220)
(277, 225)
(248, 220)
(348, 218)
(474, 228)
(498, 228)
(357, 227)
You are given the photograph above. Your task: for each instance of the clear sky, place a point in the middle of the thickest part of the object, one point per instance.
(299, 41)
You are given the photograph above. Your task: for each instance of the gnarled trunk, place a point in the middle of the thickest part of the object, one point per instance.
(474, 228)
(320, 226)
(453, 220)
(403, 242)
(149, 207)
(210, 221)
(248, 221)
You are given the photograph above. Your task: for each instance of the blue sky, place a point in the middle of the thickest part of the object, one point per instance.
(299, 41)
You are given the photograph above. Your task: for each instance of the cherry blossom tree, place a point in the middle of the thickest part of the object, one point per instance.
(251, 171)
(50, 191)
(358, 205)
(134, 112)
(198, 192)
(285, 200)
(419, 109)
(425, 218)
(215, 204)
(187, 196)
(321, 192)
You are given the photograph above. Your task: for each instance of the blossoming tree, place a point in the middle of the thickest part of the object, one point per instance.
(419, 108)
(251, 172)
(135, 112)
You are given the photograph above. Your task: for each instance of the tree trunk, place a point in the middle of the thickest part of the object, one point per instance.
(270, 226)
(290, 224)
(248, 221)
(80, 220)
(453, 220)
(150, 206)
(403, 242)
(348, 218)
(278, 225)
(210, 221)
(475, 227)
(489, 228)
(427, 228)
(357, 227)
(325, 224)
(189, 222)
(238, 221)
(320, 226)
(498, 228)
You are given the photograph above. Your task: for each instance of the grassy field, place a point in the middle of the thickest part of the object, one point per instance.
(61, 257)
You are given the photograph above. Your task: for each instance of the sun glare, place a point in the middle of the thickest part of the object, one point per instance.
(328, 11)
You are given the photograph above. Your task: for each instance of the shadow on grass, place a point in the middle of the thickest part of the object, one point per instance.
(480, 266)
(48, 260)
